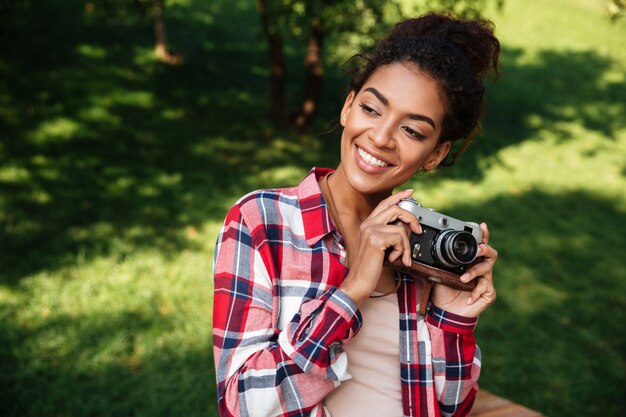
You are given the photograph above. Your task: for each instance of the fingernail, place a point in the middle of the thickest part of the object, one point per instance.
(469, 300)
(464, 277)
(409, 190)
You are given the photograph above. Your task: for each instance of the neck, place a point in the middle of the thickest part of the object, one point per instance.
(350, 203)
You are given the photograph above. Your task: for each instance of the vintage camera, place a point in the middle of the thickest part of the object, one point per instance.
(445, 243)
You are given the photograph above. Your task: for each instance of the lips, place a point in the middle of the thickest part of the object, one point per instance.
(371, 160)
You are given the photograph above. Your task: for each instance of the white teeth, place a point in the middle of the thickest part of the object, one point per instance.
(371, 160)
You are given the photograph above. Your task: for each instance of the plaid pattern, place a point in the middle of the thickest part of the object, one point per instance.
(279, 320)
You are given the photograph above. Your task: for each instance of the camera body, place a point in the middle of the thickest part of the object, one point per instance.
(445, 243)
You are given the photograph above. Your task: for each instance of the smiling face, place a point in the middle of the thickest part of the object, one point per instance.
(391, 129)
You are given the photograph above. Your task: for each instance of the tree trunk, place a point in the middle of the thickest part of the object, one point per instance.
(313, 78)
(160, 45)
(276, 65)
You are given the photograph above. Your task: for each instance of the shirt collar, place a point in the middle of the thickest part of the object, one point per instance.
(315, 215)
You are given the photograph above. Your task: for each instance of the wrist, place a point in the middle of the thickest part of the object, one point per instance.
(447, 320)
(356, 292)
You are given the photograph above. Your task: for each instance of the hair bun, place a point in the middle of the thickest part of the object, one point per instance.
(474, 38)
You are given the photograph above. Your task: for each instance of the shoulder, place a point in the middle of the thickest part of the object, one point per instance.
(280, 212)
(267, 207)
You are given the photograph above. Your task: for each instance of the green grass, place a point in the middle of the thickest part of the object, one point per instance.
(116, 172)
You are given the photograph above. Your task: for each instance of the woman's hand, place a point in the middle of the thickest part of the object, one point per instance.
(466, 303)
(376, 236)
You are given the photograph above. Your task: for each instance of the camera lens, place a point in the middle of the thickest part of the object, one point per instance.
(454, 247)
(461, 248)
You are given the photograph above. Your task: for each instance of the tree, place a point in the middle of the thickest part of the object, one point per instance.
(310, 23)
(152, 10)
(314, 23)
(276, 62)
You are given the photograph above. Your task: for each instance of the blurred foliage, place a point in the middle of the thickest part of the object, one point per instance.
(116, 10)
(616, 9)
(142, 12)
(369, 19)
(292, 19)
(343, 27)
(472, 9)
(11, 12)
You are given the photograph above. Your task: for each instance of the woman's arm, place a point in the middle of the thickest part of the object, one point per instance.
(451, 325)
(262, 370)
(455, 360)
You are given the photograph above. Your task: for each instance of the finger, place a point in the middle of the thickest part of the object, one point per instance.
(489, 256)
(409, 219)
(477, 270)
(392, 200)
(395, 254)
(487, 253)
(395, 237)
(394, 213)
(484, 290)
(485, 230)
(406, 258)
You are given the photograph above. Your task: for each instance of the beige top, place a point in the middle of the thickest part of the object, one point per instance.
(374, 363)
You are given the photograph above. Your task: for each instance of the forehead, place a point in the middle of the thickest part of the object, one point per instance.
(407, 89)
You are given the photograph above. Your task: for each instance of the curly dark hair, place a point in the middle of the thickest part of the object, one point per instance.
(456, 53)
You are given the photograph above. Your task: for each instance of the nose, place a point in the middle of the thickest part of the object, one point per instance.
(382, 135)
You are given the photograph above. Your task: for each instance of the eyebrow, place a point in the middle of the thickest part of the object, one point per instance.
(411, 116)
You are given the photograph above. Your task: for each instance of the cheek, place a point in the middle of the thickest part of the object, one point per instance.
(415, 156)
(345, 139)
(350, 132)
(357, 122)
(346, 142)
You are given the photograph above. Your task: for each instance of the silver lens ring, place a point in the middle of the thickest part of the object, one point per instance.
(445, 251)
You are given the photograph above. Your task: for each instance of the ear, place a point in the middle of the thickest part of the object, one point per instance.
(438, 155)
(345, 110)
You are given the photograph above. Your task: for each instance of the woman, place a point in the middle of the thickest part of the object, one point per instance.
(307, 318)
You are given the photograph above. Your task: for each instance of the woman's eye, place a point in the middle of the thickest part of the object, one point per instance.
(368, 110)
(413, 133)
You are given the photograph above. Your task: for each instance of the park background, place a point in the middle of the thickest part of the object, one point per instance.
(117, 166)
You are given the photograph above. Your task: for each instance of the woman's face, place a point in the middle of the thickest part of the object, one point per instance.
(391, 129)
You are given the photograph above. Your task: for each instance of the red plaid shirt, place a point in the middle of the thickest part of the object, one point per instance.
(280, 321)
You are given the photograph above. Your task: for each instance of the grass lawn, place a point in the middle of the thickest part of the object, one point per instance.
(116, 172)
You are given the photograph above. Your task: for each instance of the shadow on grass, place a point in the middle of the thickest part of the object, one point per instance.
(102, 144)
(561, 308)
(100, 370)
(546, 93)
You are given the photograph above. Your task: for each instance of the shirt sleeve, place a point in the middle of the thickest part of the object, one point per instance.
(456, 360)
(262, 370)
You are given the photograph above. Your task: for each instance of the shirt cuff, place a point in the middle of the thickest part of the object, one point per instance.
(314, 337)
(450, 322)
(346, 308)
(332, 317)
